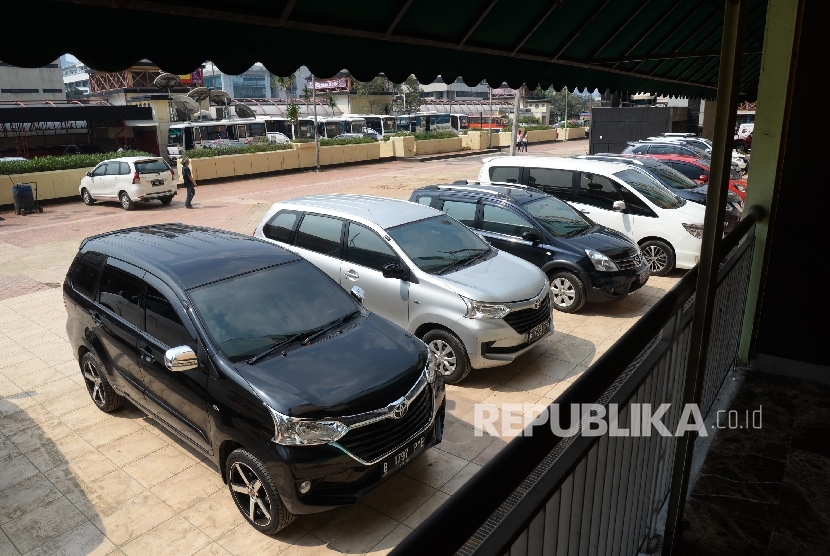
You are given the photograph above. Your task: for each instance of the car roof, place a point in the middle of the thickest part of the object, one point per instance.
(382, 211)
(580, 164)
(132, 158)
(191, 255)
(519, 194)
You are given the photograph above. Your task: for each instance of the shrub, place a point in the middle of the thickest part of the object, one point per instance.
(529, 120)
(68, 162)
(426, 135)
(571, 125)
(346, 141)
(536, 127)
(247, 149)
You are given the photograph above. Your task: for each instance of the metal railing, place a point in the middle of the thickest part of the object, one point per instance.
(597, 495)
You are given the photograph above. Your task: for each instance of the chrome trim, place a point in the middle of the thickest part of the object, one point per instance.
(363, 419)
(529, 303)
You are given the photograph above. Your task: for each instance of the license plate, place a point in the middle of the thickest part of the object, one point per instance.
(405, 454)
(157, 182)
(538, 331)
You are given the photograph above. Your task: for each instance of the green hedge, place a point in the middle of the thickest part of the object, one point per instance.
(346, 141)
(427, 135)
(536, 127)
(247, 149)
(68, 162)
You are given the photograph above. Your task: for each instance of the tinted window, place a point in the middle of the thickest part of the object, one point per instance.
(151, 167)
(100, 170)
(125, 169)
(246, 314)
(85, 273)
(438, 242)
(503, 221)
(163, 322)
(120, 293)
(464, 212)
(672, 178)
(639, 149)
(509, 174)
(555, 182)
(598, 191)
(280, 227)
(648, 188)
(557, 217)
(320, 234)
(367, 249)
(113, 169)
(427, 200)
(689, 170)
(660, 149)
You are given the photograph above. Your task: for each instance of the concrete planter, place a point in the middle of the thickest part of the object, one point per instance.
(570, 133)
(55, 184)
(437, 146)
(541, 135)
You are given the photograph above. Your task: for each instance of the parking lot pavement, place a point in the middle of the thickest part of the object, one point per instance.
(74, 480)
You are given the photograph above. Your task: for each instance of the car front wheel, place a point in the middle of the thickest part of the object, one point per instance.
(88, 200)
(566, 292)
(102, 394)
(126, 202)
(659, 257)
(451, 358)
(255, 494)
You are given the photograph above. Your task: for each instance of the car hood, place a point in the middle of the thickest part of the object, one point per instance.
(606, 242)
(369, 365)
(730, 196)
(502, 279)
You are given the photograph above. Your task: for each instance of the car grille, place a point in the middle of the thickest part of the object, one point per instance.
(523, 321)
(629, 262)
(381, 437)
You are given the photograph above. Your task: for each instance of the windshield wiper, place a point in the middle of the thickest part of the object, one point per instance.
(479, 253)
(274, 348)
(328, 327)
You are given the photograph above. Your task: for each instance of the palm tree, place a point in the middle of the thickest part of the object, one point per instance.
(292, 111)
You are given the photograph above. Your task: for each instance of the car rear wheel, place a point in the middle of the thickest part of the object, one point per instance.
(567, 292)
(659, 257)
(255, 494)
(102, 394)
(88, 200)
(126, 202)
(166, 200)
(451, 358)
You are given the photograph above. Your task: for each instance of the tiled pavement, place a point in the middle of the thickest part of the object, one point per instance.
(74, 480)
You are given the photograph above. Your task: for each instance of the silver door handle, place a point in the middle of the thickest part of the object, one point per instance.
(585, 211)
(351, 274)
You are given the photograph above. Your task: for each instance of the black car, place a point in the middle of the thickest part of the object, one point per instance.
(675, 182)
(304, 399)
(583, 260)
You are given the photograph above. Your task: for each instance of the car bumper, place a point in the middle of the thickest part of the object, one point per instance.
(339, 478)
(687, 252)
(609, 288)
(156, 195)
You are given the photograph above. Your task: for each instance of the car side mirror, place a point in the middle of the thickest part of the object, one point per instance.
(181, 358)
(395, 270)
(531, 235)
(703, 178)
(619, 206)
(358, 293)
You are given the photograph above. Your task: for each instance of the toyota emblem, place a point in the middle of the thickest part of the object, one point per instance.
(537, 304)
(399, 411)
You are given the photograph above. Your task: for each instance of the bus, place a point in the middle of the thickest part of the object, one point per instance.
(460, 122)
(381, 125)
(406, 123)
(194, 135)
(333, 126)
(482, 121)
(276, 126)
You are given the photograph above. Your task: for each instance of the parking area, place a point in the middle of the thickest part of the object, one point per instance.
(77, 480)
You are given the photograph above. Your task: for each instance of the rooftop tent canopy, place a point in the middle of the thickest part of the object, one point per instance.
(668, 47)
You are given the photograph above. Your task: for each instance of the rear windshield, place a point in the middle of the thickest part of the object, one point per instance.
(151, 166)
(671, 177)
(649, 189)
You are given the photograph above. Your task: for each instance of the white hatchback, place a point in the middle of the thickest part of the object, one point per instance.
(618, 196)
(128, 180)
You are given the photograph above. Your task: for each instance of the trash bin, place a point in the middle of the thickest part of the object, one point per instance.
(24, 199)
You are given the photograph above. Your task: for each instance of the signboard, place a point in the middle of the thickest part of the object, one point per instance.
(339, 83)
(504, 92)
(194, 78)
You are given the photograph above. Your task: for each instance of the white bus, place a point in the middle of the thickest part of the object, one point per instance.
(381, 125)
(277, 126)
(195, 135)
(337, 125)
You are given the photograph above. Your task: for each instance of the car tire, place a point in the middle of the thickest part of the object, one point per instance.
(126, 202)
(165, 200)
(452, 360)
(255, 493)
(567, 292)
(103, 396)
(659, 257)
(87, 197)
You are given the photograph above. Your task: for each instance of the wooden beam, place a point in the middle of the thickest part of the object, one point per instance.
(668, 56)
(672, 6)
(398, 17)
(630, 17)
(581, 27)
(539, 20)
(475, 25)
(695, 28)
(287, 11)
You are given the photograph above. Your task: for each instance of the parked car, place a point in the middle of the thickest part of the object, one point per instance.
(301, 397)
(697, 170)
(617, 196)
(677, 183)
(82, 149)
(128, 180)
(473, 305)
(582, 260)
(12, 159)
(673, 147)
(744, 144)
(738, 158)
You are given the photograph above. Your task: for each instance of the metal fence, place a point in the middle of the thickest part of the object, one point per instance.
(596, 495)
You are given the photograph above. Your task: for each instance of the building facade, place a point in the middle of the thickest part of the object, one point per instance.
(25, 84)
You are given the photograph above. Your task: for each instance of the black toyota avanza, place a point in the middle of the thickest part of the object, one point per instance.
(302, 397)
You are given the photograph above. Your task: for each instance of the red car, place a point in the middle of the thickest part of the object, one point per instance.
(697, 169)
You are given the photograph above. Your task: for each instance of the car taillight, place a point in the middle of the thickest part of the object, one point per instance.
(136, 179)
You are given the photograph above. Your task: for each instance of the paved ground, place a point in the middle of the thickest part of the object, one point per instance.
(74, 480)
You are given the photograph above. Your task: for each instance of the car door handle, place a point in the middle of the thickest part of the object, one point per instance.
(96, 318)
(351, 274)
(147, 355)
(585, 211)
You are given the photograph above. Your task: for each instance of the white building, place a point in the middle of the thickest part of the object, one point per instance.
(254, 83)
(458, 90)
(44, 83)
(76, 76)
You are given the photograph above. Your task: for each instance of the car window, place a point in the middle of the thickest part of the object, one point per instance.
(120, 292)
(367, 249)
(151, 167)
(508, 174)
(435, 243)
(320, 234)
(649, 188)
(597, 191)
(113, 169)
(463, 211)
(281, 226)
(125, 169)
(84, 274)
(660, 149)
(689, 170)
(425, 200)
(100, 170)
(554, 182)
(671, 177)
(162, 321)
(557, 217)
(639, 149)
(503, 221)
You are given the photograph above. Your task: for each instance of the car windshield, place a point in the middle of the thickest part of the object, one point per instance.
(249, 313)
(671, 177)
(437, 243)
(650, 189)
(151, 166)
(557, 217)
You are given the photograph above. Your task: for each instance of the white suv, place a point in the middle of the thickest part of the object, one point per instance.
(128, 180)
(618, 196)
(473, 305)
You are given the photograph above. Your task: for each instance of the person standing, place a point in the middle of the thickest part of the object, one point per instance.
(524, 140)
(189, 183)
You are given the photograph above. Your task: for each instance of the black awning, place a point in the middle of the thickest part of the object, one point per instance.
(12, 114)
(668, 47)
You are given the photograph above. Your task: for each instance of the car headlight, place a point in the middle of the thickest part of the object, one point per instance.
(479, 310)
(305, 432)
(601, 262)
(695, 229)
(429, 369)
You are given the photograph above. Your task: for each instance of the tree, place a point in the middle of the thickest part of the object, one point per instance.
(410, 93)
(331, 103)
(286, 84)
(376, 86)
(73, 93)
(577, 102)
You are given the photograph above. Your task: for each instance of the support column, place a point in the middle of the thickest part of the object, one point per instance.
(729, 82)
(515, 122)
(775, 90)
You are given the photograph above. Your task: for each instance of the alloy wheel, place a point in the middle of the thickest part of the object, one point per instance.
(87, 197)
(125, 202)
(445, 361)
(249, 494)
(656, 258)
(93, 383)
(563, 292)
